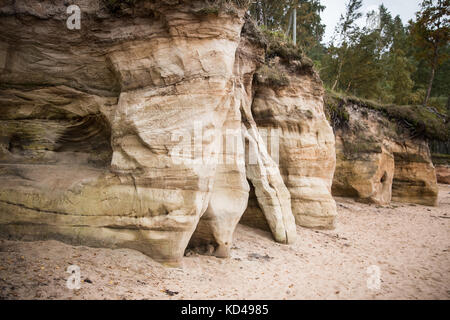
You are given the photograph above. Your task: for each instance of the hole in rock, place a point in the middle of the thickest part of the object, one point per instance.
(384, 177)
(68, 139)
(15, 144)
(88, 135)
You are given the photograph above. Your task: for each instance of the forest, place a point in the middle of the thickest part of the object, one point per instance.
(384, 59)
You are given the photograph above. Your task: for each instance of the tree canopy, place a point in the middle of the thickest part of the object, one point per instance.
(383, 59)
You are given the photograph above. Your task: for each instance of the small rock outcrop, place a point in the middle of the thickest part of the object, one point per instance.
(442, 164)
(443, 174)
(378, 160)
(292, 113)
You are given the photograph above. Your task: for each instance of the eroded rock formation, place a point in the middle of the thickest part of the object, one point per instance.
(116, 134)
(378, 161)
(163, 124)
(442, 164)
(443, 174)
(291, 116)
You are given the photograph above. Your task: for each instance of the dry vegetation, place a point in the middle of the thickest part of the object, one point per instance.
(420, 121)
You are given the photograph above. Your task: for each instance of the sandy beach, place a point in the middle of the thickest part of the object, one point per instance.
(409, 244)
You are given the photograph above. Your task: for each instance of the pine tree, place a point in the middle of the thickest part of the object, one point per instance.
(431, 33)
(346, 32)
(401, 76)
(276, 16)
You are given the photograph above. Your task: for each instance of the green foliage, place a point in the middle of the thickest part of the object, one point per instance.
(335, 111)
(310, 30)
(401, 77)
(383, 61)
(440, 104)
(280, 46)
(276, 15)
(347, 30)
(253, 33)
(207, 11)
(431, 31)
(430, 34)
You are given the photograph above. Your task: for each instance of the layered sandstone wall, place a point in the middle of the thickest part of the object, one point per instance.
(442, 164)
(293, 114)
(113, 135)
(164, 124)
(443, 173)
(378, 161)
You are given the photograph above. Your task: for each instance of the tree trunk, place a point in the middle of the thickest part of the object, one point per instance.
(433, 72)
(348, 87)
(337, 76)
(294, 27)
(289, 24)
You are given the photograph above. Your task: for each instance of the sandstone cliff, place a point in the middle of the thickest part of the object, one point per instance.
(379, 160)
(293, 112)
(442, 164)
(163, 124)
(118, 134)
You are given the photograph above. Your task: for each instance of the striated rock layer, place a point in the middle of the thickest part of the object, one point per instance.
(442, 164)
(377, 163)
(443, 174)
(117, 134)
(292, 118)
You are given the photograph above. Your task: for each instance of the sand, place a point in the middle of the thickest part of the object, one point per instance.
(409, 244)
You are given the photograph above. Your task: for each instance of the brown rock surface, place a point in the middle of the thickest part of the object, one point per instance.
(443, 174)
(377, 163)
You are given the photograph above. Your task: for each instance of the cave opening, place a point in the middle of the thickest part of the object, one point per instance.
(384, 177)
(83, 140)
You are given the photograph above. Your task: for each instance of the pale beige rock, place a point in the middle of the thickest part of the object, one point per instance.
(152, 77)
(366, 176)
(229, 194)
(414, 176)
(111, 135)
(272, 195)
(294, 119)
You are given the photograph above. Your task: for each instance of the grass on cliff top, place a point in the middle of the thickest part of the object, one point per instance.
(420, 121)
(276, 45)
